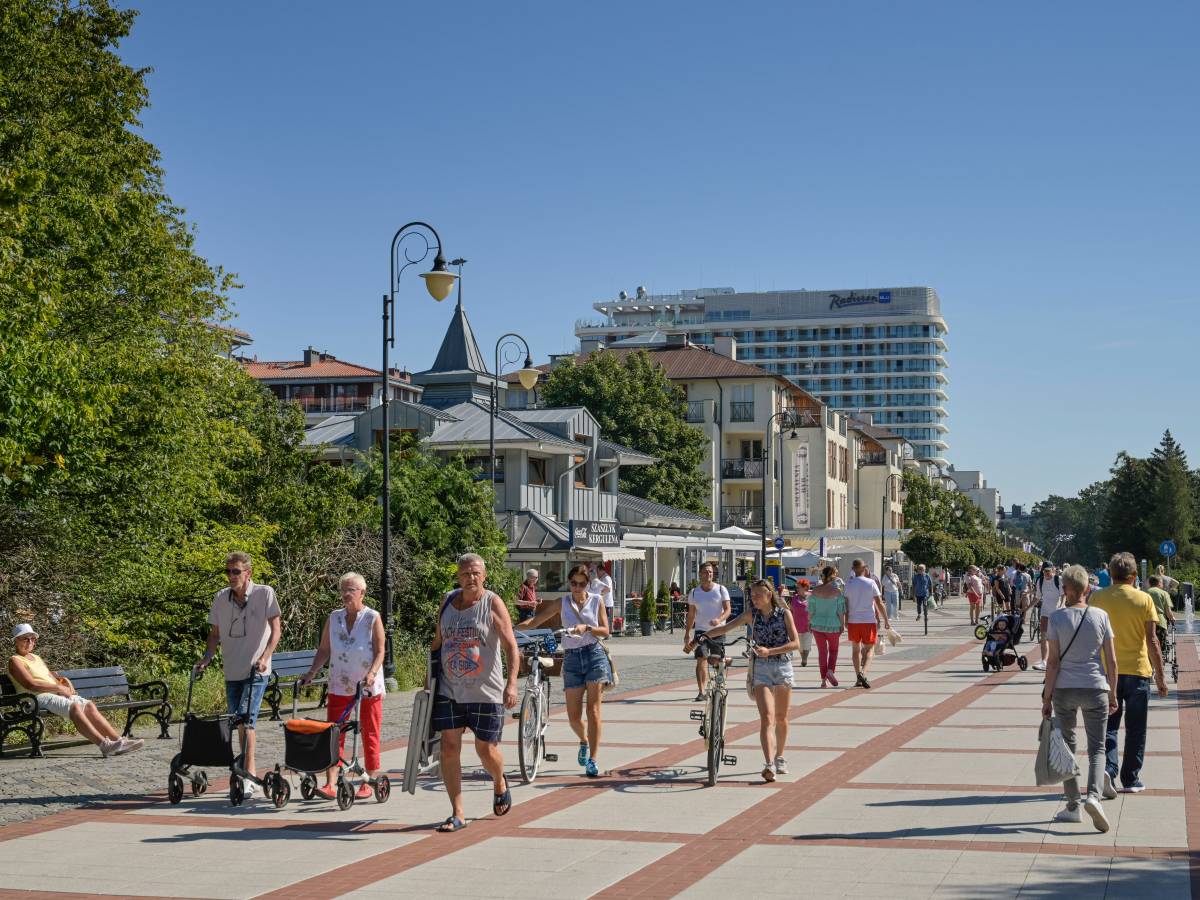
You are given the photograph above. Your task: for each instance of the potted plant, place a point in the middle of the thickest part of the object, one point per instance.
(646, 613)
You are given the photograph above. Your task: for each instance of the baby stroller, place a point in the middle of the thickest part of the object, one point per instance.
(1000, 648)
(311, 747)
(206, 741)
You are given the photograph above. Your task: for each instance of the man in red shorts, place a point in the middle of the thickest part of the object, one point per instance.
(864, 610)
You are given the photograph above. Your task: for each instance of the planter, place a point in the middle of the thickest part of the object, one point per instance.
(647, 628)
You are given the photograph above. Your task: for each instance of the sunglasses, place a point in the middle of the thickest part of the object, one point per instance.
(233, 571)
(575, 583)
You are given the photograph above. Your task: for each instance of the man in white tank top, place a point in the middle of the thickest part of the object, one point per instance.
(708, 607)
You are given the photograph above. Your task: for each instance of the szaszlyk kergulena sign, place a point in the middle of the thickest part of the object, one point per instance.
(590, 533)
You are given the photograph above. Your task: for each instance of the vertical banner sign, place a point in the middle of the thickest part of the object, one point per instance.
(800, 487)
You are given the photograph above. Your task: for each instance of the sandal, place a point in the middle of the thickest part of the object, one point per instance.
(451, 825)
(502, 803)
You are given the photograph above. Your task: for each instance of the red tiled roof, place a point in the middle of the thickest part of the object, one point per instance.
(329, 368)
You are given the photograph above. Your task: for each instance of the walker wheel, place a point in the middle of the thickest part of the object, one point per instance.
(383, 789)
(174, 788)
(236, 791)
(268, 784)
(987, 667)
(1023, 663)
(199, 784)
(345, 794)
(308, 787)
(282, 792)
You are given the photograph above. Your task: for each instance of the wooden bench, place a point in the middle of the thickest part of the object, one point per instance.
(289, 667)
(108, 688)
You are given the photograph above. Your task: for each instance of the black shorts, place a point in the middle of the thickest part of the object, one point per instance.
(486, 720)
(715, 644)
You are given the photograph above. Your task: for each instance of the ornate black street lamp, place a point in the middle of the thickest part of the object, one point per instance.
(511, 344)
(438, 281)
(768, 436)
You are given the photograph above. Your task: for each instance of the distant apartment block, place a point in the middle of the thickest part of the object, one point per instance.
(879, 351)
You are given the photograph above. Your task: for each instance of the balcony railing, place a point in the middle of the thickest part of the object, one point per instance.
(872, 459)
(742, 516)
(695, 411)
(332, 404)
(742, 468)
(741, 411)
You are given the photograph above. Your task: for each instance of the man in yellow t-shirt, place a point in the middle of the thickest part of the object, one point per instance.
(1133, 617)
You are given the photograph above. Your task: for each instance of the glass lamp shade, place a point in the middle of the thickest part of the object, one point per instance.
(439, 283)
(528, 377)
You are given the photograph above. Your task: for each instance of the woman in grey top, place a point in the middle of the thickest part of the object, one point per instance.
(1080, 637)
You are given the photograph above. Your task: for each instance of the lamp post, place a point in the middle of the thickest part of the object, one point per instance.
(511, 343)
(767, 435)
(887, 489)
(438, 281)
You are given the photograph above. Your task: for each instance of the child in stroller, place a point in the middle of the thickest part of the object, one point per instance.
(1000, 648)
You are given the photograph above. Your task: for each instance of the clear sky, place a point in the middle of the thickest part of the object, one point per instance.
(1035, 163)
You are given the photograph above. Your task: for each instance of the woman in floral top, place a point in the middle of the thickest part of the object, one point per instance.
(775, 637)
(353, 643)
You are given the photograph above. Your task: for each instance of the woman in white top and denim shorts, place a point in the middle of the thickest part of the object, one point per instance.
(585, 664)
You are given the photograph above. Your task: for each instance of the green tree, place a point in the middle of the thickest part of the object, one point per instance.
(1172, 514)
(638, 406)
(1127, 512)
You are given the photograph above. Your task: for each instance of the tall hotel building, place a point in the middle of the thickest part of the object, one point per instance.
(879, 351)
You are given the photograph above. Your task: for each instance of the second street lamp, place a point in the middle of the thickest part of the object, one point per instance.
(511, 344)
(415, 238)
(767, 437)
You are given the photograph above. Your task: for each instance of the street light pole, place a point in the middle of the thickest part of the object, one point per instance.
(887, 489)
(438, 281)
(511, 343)
(767, 435)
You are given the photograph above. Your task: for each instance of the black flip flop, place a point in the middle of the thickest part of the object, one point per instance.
(451, 825)
(502, 803)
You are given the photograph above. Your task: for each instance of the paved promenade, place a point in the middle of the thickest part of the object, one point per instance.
(920, 787)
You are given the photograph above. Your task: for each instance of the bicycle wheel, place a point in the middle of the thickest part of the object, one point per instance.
(529, 737)
(716, 736)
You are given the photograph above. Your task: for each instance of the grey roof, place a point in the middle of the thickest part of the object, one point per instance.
(469, 424)
(335, 431)
(650, 339)
(533, 531)
(440, 414)
(651, 510)
(634, 457)
(548, 413)
(459, 351)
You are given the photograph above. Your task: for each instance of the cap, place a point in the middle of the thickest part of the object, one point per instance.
(23, 629)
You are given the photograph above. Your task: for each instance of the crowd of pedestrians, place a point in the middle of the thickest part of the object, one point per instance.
(1102, 643)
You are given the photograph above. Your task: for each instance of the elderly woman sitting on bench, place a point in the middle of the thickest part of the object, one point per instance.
(56, 694)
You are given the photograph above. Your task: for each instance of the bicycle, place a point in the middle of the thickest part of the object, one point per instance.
(534, 714)
(1035, 622)
(1172, 658)
(712, 716)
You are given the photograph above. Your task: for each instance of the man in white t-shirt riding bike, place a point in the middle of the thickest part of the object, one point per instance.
(708, 607)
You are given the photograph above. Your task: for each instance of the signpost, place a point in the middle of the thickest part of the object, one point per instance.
(1168, 549)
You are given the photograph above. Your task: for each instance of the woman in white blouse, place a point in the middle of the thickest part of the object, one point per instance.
(352, 643)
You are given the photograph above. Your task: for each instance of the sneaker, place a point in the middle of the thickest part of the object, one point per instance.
(1068, 814)
(699, 698)
(1040, 666)
(110, 747)
(824, 682)
(582, 756)
(591, 770)
(768, 774)
(833, 679)
(1093, 808)
(248, 789)
(365, 792)
(128, 745)
(1109, 791)
(780, 766)
(863, 681)
(1136, 788)
(858, 680)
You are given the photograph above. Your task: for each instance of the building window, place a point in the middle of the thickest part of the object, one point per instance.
(583, 474)
(480, 465)
(741, 405)
(537, 470)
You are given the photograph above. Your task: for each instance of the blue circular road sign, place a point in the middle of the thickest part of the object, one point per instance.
(1167, 548)
(779, 544)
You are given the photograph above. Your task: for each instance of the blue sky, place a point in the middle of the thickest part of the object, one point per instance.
(1035, 163)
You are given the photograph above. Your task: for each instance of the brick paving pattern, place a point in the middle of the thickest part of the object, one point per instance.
(920, 787)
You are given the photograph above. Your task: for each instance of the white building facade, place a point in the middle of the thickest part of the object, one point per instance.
(880, 350)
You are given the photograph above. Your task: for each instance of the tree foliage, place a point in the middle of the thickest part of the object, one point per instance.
(638, 406)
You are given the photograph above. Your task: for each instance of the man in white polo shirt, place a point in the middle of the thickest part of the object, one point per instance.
(708, 607)
(864, 610)
(602, 584)
(244, 619)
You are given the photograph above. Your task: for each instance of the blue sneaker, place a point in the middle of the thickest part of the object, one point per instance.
(591, 770)
(583, 754)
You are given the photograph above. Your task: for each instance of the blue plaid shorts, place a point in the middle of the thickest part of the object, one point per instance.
(486, 720)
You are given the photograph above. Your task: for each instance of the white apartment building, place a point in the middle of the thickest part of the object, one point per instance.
(880, 350)
(975, 487)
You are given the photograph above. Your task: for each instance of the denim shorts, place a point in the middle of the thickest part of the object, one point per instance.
(772, 671)
(585, 665)
(486, 720)
(237, 691)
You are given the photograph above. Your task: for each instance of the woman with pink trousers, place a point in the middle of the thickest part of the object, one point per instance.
(827, 620)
